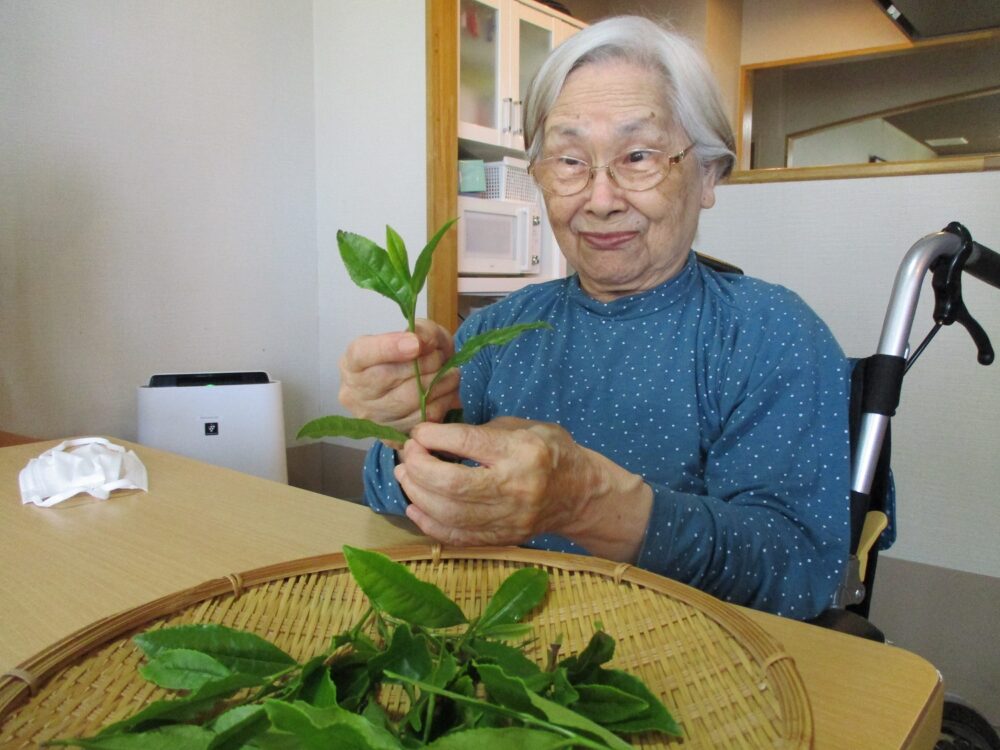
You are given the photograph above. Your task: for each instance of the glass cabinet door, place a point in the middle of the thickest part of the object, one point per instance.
(533, 39)
(480, 82)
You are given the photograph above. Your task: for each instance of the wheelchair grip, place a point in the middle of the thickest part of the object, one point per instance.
(984, 264)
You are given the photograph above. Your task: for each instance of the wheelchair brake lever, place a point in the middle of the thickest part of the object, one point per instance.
(949, 307)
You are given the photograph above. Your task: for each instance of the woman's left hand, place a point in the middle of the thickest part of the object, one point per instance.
(532, 478)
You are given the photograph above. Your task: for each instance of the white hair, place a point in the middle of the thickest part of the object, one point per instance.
(691, 91)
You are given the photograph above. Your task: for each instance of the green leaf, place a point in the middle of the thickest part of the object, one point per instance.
(512, 692)
(503, 738)
(655, 717)
(396, 248)
(606, 704)
(598, 651)
(182, 709)
(423, 264)
(237, 726)
(238, 650)
(318, 688)
(337, 426)
(531, 719)
(495, 337)
(392, 588)
(183, 669)
(407, 654)
(369, 267)
(177, 737)
(511, 660)
(521, 592)
(331, 727)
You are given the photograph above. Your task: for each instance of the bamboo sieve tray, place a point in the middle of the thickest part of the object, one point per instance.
(726, 681)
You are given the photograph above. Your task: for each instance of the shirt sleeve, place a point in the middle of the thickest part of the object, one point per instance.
(771, 530)
(382, 492)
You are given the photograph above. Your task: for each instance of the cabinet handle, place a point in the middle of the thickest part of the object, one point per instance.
(507, 104)
(516, 115)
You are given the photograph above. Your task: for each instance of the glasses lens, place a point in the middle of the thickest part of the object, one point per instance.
(640, 169)
(561, 175)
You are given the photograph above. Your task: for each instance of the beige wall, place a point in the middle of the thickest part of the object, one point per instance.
(784, 29)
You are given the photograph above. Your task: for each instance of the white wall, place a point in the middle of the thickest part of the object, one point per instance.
(156, 202)
(854, 143)
(370, 159)
(838, 243)
(171, 179)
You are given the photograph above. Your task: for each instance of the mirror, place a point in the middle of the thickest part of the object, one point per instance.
(934, 103)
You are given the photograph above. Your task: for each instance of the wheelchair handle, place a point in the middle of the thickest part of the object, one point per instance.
(984, 264)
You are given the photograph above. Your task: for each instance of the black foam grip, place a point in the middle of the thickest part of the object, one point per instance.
(984, 264)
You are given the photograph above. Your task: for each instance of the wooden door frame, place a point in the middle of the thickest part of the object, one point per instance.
(442, 156)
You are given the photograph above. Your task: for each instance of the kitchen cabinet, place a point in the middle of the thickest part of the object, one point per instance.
(502, 43)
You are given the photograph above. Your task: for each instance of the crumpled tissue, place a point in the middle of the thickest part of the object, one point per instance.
(92, 465)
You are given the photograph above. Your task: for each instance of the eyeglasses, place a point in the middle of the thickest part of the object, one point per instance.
(639, 169)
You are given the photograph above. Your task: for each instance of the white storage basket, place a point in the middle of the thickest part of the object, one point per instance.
(508, 180)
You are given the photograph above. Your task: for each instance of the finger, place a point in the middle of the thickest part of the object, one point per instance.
(457, 537)
(384, 348)
(433, 337)
(481, 443)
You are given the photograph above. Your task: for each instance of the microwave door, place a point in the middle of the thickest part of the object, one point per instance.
(489, 246)
(529, 246)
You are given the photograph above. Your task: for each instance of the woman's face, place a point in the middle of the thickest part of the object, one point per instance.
(622, 242)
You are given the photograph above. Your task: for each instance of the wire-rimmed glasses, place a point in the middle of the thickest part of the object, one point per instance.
(636, 169)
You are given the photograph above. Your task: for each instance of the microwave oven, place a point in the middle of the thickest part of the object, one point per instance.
(499, 237)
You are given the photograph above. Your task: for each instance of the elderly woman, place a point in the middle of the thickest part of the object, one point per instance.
(688, 421)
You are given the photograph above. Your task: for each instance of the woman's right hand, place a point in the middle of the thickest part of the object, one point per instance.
(378, 382)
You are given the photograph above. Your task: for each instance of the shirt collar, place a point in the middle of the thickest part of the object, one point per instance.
(674, 289)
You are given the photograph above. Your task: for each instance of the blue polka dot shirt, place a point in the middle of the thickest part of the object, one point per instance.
(727, 395)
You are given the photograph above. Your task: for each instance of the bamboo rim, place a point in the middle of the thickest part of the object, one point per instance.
(769, 669)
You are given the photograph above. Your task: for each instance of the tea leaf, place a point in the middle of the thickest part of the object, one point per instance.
(370, 267)
(182, 709)
(423, 265)
(655, 717)
(237, 726)
(521, 592)
(475, 344)
(172, 737)
(407, 654)
(396, 591)
(238, 650)
(351, 427)
(512, 692)
(511, 660)
(330, 727)
(497, 738)
(598, 651)
(606, 704)
(396, 248)
(183, 669)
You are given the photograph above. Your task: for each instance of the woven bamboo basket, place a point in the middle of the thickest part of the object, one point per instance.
(728, 683)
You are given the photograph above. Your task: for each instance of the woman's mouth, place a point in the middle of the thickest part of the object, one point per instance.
(607, 240)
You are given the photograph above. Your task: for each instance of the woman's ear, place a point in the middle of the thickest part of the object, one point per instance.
(708, 179)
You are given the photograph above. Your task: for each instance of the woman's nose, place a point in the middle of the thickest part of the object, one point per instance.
(605, 194)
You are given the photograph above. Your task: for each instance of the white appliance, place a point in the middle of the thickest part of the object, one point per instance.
(232, 419)
(499, 237)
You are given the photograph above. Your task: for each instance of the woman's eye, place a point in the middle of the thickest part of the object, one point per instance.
(569, 161)
(632, 157)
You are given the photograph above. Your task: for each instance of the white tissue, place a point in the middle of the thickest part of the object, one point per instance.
(92, 465)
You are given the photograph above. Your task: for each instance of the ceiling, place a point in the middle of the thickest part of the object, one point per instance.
(925, 19)
(975, 119)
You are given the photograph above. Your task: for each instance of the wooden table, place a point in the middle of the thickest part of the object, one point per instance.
(67, 566)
